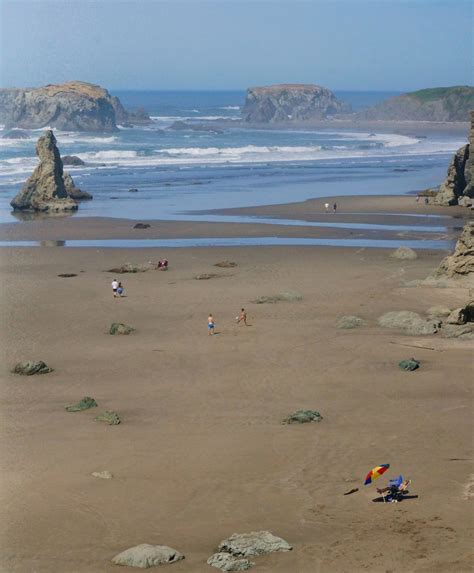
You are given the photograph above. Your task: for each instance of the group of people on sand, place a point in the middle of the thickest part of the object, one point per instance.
(334, 207)
(241, 318)
(117, 288)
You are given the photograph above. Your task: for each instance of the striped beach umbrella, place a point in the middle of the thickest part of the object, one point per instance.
(375, 473)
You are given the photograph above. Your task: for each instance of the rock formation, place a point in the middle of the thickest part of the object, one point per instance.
(72, 106)
(252, 544)
(410, 322)
(73, 191)
(73, 160)
(84, 404)
(461, 262)
(146, 555)
(29, 368)
(109, 417)
(433, 104)
(45, 189)
(290, 103)
(303, 417)
(459, 182)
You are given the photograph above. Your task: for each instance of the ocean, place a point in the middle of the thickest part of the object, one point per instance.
(180, 174)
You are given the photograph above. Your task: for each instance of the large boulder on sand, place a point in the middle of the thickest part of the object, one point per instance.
(146, 555)
(303, 417)
(404, 253)
(45, 189)
(410, 322)
(120, 328)
(227, 562)
(109, 417)
(348, 322)
(84, 404)
(29, 368)
(254, 543)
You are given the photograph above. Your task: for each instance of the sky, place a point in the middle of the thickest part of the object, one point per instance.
(398, 45)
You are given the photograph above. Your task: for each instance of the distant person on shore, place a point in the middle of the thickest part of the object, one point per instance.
(210, 324)
(326, 206)
(163, 264)
(120, 289)
(334, 208)
(114, 286)
(427, 201)
(242, 317)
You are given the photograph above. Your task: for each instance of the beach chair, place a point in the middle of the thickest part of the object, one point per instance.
(395, 490)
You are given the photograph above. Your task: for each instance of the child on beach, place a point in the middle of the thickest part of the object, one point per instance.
(114, 286)
(210, 324)
(242, 317)
(120, 289)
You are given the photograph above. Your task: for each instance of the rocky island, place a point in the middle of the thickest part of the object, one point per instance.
(72, 106)
(290, 103)
(49, 189)
(432, 104)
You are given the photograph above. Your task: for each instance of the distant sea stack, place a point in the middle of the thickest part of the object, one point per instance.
(433, 104)
(458, 187)
(48, 189)
(290, 103)
(72, 106)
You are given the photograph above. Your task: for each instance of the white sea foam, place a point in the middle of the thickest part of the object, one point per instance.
(230, 107)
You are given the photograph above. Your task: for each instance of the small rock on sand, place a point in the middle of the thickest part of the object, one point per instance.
(30, 367)
(349, 321)
(227, 562)
(146, 555)
(120, 328)
(226, 264)
(411, 322)
(287, 296)
(84, 404)
(438, 311)
(205, 277)
(109, 417)
(254, 543)
(303, 417)
(102, 475)
(404, 253)
(409, 365)
(141, 226)
(67, 275)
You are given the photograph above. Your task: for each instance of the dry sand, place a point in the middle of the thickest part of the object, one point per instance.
(201, 453)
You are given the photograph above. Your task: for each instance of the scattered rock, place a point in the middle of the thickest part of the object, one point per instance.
(411, 322)
(67, 275)
(45, 190)
(29, 368)
(288, 296)
(409, 365)
(120, 328)
(457, 316)
(254, 543)
(133, 190)
(130, 268)
(109, 417)
(349, 321)
(141, 226)
(205, 277)
(227, 562)
(438, 311)
(404, 253)
(464, 331)
(102, 475)
(226, 264)
(73, 160)
(302, 417)
(84, 404)
(146, 555)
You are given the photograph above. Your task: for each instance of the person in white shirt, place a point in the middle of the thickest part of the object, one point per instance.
(326, 206)
(115, 287)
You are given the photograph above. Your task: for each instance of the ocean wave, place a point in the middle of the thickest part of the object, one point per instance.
(230, 107)
(171, 118)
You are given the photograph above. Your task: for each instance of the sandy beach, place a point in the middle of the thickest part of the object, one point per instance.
(201, 452)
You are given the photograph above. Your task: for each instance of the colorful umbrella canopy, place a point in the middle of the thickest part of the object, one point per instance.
(375, 473)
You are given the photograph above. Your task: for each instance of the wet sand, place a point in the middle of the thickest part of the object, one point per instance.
(201, 453)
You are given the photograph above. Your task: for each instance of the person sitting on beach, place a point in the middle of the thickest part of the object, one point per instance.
(210, 324)
(120, 289)
(163, 264)
(114, 286)
(242, 317)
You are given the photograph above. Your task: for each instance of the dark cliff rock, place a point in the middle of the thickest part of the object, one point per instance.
(433, 104)
(73, 160)
(49, 189)
(290, 103)
(461, 262)
(459, 182)
(72, 106)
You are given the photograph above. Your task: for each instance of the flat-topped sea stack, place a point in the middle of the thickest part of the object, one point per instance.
(458, 187)
(290, 103)
(48, 189)
(72, 106)
(432, 104)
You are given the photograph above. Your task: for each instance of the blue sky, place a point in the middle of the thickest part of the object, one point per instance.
(233, 44)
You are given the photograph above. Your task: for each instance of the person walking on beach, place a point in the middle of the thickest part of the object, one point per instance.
(120, 289)
(242, 317)
(326, 206)
(114, 286)
(334, 208)
(210, 324)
